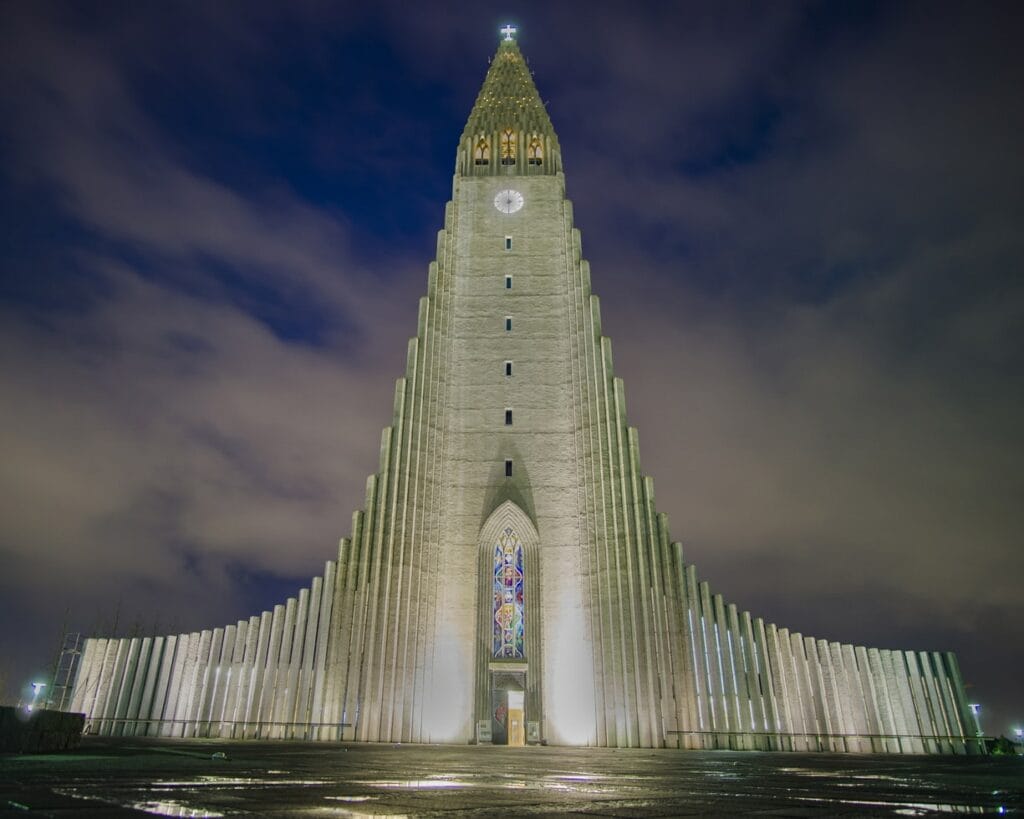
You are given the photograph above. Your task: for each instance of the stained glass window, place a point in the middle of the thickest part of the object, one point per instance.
(508, 596)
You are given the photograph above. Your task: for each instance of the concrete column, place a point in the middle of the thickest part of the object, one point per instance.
(805, 694)
(167, 724)
(701, 672)
(187, 691)
(283, 692)
(769, 694)
(156, 714)
(224, 679)
(265, 709)
(636, 597)
(890, 730)
(123, 681)
(778, 663)
(306, 674)
(146, 725)
(395, 602)
(253, 725)
(902, 676)
(290, 714)
(920, 703)
(897, 703)
(945, 692)
(741, 680)
(811, 693)
(686, 662)
(138, 685)
(727, 659)
(715, 689)
(829, 695)
(83, 700)
(934, 695)
(323, 631)
(113, 682)
(756, 690)
(207, 680)
(238, 692)
(860, 707)
(370, 679)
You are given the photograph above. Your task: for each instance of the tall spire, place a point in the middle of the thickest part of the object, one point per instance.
(509, 130)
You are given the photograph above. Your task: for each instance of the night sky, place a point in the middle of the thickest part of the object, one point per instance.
(805, 221)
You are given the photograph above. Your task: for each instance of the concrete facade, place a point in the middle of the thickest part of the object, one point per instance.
(509, 420)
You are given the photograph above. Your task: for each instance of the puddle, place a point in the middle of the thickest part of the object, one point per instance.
(172, 809)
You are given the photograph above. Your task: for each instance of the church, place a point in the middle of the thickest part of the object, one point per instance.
(509, 579)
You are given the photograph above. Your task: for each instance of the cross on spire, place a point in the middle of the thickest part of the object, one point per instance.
(508, 30)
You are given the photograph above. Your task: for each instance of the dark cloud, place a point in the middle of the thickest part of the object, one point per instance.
(803, 219)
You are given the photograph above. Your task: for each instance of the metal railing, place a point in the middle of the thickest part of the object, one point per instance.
(205, 728)
(905, 743)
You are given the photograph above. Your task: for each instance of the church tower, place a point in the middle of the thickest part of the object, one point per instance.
(478, 582)
(509, 579)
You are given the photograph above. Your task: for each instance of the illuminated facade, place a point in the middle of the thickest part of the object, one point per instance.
(509, 579)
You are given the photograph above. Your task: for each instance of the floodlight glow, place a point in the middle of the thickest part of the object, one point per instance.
(450, 696)
(570, 675)
(36, 688)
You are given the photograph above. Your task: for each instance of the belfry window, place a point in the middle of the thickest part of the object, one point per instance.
(508, 147)
(508, 282)
(535, 151)
(508, 468)
(508, 417)
(508, 324)
(508, 622)
(482, 152)
(508, 368)
(508, 243)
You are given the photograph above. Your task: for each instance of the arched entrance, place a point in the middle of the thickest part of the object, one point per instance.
(508, 695)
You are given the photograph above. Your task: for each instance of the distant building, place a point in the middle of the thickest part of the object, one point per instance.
(509, 579)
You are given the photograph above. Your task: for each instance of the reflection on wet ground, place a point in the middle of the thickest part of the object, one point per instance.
(210, 778)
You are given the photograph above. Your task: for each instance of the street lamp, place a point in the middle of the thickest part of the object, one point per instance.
(976, 709)
(36, 688)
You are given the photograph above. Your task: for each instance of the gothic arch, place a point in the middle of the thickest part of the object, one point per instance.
(493, 670)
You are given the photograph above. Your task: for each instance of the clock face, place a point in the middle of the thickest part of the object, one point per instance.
(508, 201)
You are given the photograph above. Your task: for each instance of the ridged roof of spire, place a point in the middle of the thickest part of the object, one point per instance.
(508, 97)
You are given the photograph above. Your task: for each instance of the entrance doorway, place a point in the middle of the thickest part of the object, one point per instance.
(516, 724)
(508, 709)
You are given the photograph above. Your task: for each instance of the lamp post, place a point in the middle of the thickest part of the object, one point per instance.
(1019, 733)
(36, 688)
(976, 710)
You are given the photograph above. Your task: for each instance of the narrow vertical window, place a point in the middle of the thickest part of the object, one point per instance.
(508, 469)
(482, 153)
(508, 417)
(508, 243)
(508, 324)
(508, 147)
(508, 282)
(508, 368)
(535, 151)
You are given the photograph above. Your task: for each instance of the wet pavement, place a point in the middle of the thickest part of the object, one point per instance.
(132, 777)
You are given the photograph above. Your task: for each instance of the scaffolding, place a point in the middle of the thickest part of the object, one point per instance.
(65, 671)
